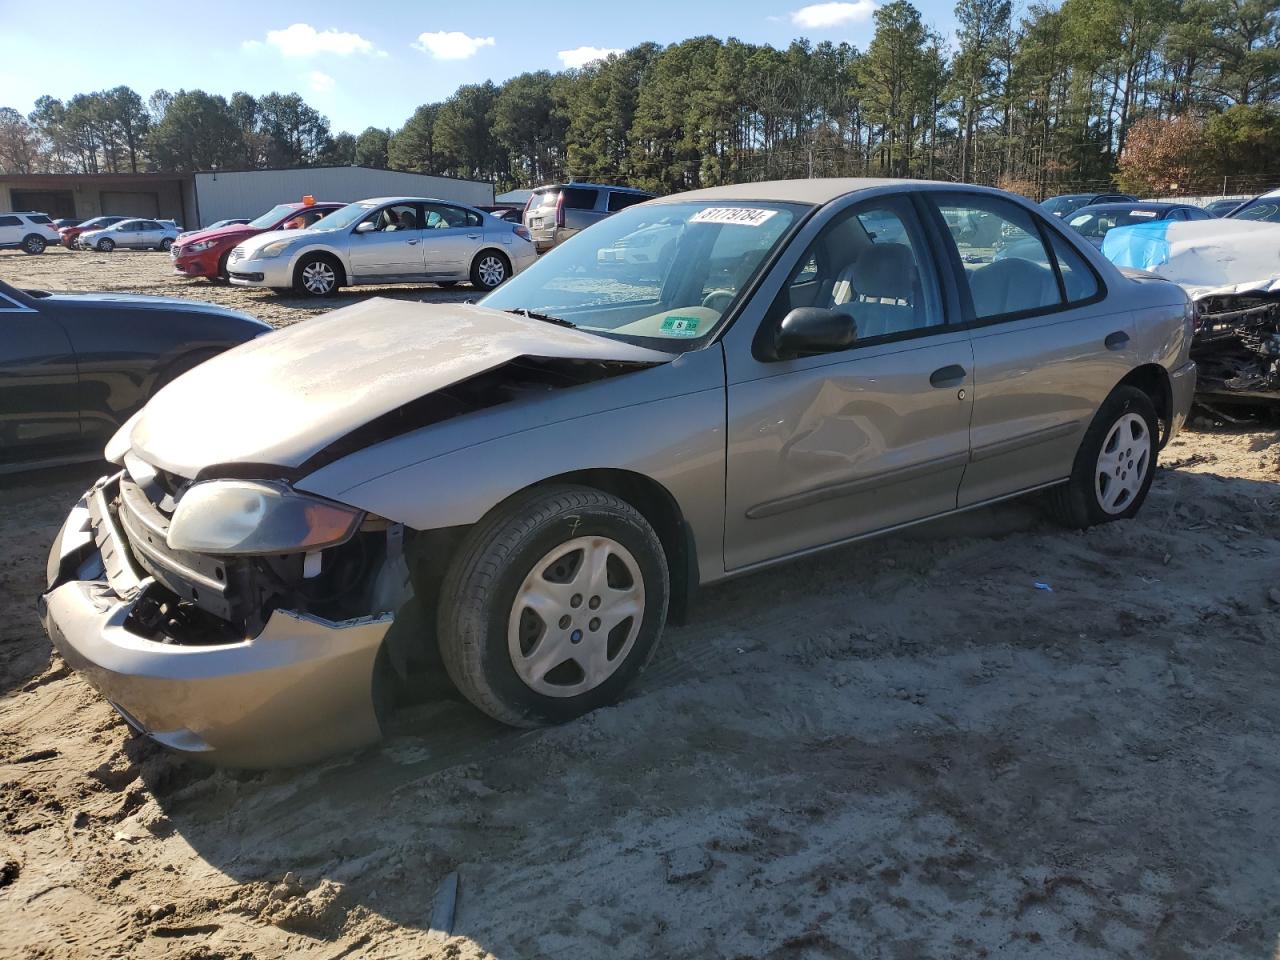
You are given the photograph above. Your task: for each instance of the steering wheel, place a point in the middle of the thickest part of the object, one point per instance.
(717, 300)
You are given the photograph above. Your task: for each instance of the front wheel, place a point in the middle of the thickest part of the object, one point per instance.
(33, 243)
(105, 245)
(552, 605)
(489, 270)
(316, 276)
(1115, 463)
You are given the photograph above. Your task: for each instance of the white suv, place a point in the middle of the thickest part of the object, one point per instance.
(28, 232)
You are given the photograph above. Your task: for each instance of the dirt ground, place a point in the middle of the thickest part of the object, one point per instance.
(902, 749)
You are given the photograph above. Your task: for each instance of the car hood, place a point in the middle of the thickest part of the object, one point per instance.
(237, 232)
(281, 399)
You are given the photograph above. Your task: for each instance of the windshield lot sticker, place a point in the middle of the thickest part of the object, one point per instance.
(674, 326)
(742, 216)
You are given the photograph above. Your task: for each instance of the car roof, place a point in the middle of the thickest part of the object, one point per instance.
(819, 190)
(1153, 205)
(586, 185)
(381, 200)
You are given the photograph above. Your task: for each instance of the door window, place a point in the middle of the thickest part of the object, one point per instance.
(1005, 262)
(10, 222)
(442, 217)
(870, 263)
(397, 217)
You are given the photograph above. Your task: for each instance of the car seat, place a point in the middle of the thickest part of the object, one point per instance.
(880, 290)
(1011, 285)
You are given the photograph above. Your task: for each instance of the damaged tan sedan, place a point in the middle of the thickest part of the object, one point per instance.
(533, 485)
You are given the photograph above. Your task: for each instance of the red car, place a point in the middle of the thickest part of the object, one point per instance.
(204, 253)
(67, 235)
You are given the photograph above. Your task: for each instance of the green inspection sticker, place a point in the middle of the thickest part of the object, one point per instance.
(674, 326)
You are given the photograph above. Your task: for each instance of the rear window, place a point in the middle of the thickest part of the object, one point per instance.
(620, 201)
(575, 198)
(40, 218)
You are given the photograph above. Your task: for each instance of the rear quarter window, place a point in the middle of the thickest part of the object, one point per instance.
(40, 218)
(620, 201)
(576, 198)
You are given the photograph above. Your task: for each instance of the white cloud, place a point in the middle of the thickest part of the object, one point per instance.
(304, 40)
(581, 56)
(321, 82)
(451, 44)
(819, 16)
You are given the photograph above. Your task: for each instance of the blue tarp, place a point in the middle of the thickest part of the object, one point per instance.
(1142, 245)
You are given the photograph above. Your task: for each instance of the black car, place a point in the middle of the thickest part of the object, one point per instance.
(1071, 202)
(1094, 220)
(75, 367)
(1220, 208)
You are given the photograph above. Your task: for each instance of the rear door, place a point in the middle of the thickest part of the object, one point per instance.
(127, 233)
(386, 245)
(1047, 349)
(451, 239)
(10, 229)
(825, 448)
(39, 402)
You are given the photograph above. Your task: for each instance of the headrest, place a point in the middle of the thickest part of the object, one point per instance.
(885, 270)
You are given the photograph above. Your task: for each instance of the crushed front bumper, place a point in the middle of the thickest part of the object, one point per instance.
(300, 690)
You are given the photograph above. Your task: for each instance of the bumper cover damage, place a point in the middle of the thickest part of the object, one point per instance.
(297, 689)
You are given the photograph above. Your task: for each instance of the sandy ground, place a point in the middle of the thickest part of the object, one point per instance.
(902, 749)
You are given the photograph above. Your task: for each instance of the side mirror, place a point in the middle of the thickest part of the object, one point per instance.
(806, 331)
(365, 226)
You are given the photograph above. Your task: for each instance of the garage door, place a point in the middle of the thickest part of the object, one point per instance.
(128, 204)
(56, 203)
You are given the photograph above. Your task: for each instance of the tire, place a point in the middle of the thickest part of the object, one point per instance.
(223, 274)
(105, 245)
(1115, 464)
(33, 244)
(492, 643)
(489, 270)
(317, 276)
(165, 244)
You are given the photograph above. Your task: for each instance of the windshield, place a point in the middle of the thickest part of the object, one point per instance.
(345, 216)
(270, 218)
(662, 274)
(1070, 203)
(1096, 223)
(1260, 208)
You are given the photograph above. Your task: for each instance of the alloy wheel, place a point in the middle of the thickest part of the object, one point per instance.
(318, 278)
(492, 271)
(576, 616)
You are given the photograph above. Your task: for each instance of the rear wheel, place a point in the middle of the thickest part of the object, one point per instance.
(33, 243)
(165, 244)
(105, 245)
(552, 605)
(1115, 464)
(489, 269)
(316, 276)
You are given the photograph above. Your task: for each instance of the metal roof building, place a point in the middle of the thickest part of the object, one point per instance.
(198, 199)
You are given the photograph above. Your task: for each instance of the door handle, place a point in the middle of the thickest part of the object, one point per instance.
(1116, 341)
(947, 376)
(411, 242)
(473, 236)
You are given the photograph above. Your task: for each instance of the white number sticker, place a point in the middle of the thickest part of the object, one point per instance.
(742, 216)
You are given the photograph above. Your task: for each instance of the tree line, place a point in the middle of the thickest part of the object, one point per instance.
(1137, 91)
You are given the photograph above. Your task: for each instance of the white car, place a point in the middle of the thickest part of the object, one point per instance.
(135, 234)
(386, 240)
(28, 232)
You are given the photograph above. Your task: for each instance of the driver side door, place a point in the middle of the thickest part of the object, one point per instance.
(39, 400)
(389, 249)
(829, 447)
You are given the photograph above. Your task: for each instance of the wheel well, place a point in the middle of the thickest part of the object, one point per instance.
(656, 504)
(1153, 380)
(326, 256)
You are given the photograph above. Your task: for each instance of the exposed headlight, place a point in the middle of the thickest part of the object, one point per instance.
(257, 517)
(200, 247)
(274, 249)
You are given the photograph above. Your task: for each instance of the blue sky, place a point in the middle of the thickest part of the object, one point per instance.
(371, 63)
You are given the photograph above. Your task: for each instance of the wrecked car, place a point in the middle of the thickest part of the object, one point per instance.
(533, 485)
(1230, 268)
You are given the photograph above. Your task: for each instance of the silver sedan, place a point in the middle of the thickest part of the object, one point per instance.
(534, 484)
(131, 235)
